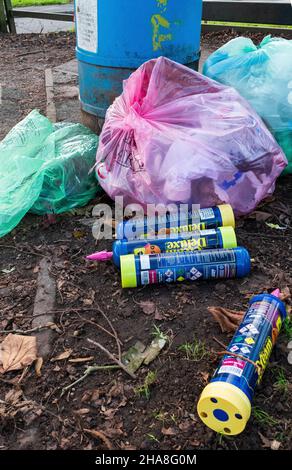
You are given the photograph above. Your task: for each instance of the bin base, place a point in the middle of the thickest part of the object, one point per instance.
(92, 121)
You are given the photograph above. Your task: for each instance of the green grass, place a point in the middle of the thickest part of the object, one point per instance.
(221, 438)
(245, 25)
(288, 327)
(29, 3)
(164, 417)
(144, 390)
(194, 351)
(158, 334)
(263, 418)
(153, 438)
(281, 384)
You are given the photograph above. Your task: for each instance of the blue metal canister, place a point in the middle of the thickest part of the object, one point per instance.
(114, 37)
(223, 237)
(225, 404)
(167, 268)
(177, 223)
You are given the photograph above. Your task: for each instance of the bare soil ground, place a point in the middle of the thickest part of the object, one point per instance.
(33, 412)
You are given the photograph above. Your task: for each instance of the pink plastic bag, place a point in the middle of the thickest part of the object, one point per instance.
(175, 136)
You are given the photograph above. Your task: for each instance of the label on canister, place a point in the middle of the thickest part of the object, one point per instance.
(254, 340)
(207, 214)
(167, 268)
(87, 24)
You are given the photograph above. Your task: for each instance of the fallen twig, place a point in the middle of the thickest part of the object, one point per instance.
(34, 253)
(26, 332)
(89, 370)
(112, 357)
(100, 435)
(30, 53)
(229, 353)
(91, 322)
(114, 332)
(220, 343)
(243, 358)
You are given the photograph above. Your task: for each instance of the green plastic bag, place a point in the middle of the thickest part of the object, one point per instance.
(45, 168)
(263, 76)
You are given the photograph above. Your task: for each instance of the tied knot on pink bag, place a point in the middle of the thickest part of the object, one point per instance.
(131, 118)
(175, 136)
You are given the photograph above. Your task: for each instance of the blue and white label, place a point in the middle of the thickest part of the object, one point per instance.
(87, 24)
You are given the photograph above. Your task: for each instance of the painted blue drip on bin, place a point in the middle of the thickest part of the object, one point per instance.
(126, 39)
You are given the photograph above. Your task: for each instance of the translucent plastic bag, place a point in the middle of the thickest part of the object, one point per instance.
(263, 76)
(45, 169)
(175, 136)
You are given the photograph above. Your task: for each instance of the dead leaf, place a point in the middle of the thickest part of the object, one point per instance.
(17, 352)
(78, 234)
(205, 376)
(148, 307)
(117, 390)
(186, 426)
(127, 446)
(80, 360)
(114, 430)
(12, 397)
(100, 435)
(229, 320)
(158, 316)
(64, 443)
(88, 302)
(285, 294)
(265, 441)
(260, 216)
(195, 443)
(65, 355)
(82, 411)
(275, 445)
(38, 366)
(169, 431)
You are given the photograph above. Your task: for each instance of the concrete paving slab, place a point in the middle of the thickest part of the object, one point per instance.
(70, 68)
(34, 25)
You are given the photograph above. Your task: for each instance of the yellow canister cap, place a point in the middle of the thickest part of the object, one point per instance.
(228, 237)
(128, 271)
(227, 214)
(224, 408)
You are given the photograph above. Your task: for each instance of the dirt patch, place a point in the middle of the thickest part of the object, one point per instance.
(23, 62)
(33, 411)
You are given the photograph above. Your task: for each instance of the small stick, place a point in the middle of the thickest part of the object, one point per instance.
(88, 371)
(99, 435)
(114, 332)
(97, 325)
(219, 342)
(26, 332)
(112, 357)
(229, 353)
(34, 253)
(243, 358)
(29, 53)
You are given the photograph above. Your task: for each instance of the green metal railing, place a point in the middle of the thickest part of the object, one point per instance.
(215, 14)
(6, 17)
